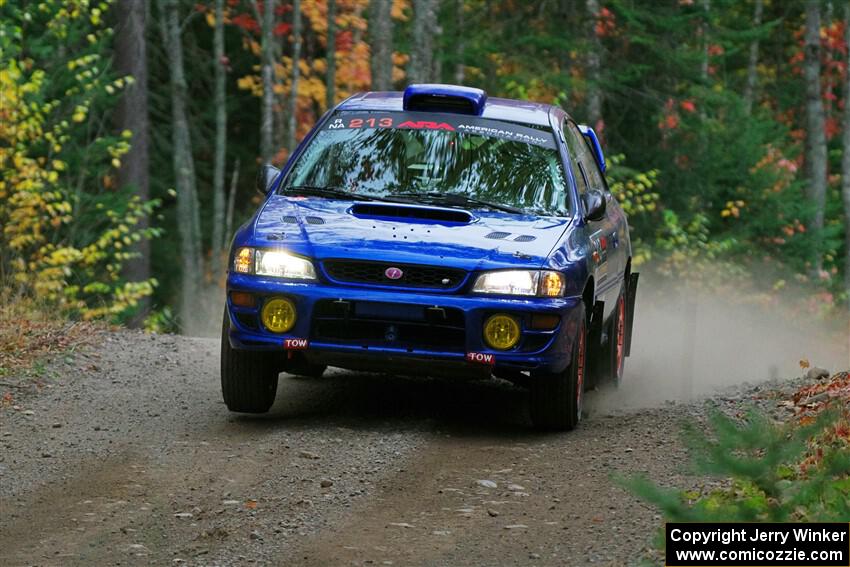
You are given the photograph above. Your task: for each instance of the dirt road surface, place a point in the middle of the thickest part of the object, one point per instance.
(126, 455)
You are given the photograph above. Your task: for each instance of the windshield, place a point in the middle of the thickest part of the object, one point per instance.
(464, 161)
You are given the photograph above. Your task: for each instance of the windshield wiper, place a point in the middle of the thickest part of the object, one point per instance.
(435, 197)
(327, 192)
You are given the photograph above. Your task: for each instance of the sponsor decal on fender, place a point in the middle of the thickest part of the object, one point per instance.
(481, 358)
(295, 344)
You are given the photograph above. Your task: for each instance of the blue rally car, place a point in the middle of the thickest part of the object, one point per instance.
(439, 232)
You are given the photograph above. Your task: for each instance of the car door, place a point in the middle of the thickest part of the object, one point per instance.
(604, 236)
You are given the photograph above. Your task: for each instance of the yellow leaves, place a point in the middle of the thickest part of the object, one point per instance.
(251, 83)
(732, 209)
(80, 112)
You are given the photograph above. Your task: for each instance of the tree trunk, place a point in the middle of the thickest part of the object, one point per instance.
(424, 32)
(219, 102)
(594, 94)
(132, 115)
(330, 76)
(267, 49)
(815, 123)
(381, 42)
(845, 159)
(188, 216)
(752, 64)
(231, 203)
(460, 44)
(706, 7)
(291, 133)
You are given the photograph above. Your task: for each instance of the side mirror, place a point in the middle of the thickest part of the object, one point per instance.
(593, 140)
(266, 176)
(594, 204)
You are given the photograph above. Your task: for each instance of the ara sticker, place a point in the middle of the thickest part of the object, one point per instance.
(480, 358)
(295, 344)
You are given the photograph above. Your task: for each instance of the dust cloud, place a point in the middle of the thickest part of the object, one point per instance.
(205, 319)
(688, 344)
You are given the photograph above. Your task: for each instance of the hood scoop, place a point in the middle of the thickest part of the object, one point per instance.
(411, 212)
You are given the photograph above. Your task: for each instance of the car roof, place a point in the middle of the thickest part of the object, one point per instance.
(521, 111)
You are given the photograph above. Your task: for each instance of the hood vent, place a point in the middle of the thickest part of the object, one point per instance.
(498, 235)
(292, 219)
(380, 210)
(525, 238)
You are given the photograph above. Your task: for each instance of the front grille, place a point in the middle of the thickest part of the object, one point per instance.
(373, 324)
(413, 276)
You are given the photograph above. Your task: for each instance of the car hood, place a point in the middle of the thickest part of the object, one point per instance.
(325, 228)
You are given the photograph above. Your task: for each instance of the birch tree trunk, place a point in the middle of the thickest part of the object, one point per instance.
(845, 156)
(296, 73)
(219, 102)
(424, 31)
(132, 115)
(815, 122)
(231, 203)
(330, 76)
(752, 64)
(381, 43)
(267, 55)
(594, 95)
(188, 215)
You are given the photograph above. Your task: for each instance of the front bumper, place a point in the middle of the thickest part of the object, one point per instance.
(454, 342)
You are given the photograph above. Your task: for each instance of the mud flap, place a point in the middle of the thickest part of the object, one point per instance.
(594, 345)
(631, 296)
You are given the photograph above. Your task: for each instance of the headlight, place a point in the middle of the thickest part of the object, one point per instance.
(276, 263)
(521, 282)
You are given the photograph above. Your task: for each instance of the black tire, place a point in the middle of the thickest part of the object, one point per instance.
(248, 378)
(613, 353)
(556, 399)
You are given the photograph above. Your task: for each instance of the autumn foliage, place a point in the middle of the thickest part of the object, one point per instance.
(66, 227)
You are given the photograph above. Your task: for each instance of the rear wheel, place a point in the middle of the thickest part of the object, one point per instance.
(556, 399)
(614, 352)
(248, 378)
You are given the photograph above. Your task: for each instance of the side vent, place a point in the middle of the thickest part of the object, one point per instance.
(413, 213)
(525, 238)
(498, 235)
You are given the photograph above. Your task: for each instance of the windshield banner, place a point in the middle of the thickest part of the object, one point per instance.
(444, 122)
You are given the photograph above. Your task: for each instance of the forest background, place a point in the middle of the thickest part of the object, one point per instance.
(131, 131)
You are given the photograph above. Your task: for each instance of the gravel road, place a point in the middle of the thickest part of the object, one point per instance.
(126, 455)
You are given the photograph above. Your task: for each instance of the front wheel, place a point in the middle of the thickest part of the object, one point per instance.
(248, 378)
(556, 399)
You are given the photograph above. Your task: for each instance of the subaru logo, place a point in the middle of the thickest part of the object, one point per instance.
(393, 273)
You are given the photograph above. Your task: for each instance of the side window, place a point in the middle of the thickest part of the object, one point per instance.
(574, 145)
(578, 146)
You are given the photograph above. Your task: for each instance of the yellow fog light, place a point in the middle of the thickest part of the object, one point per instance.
(278, 315)
(501, 331)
